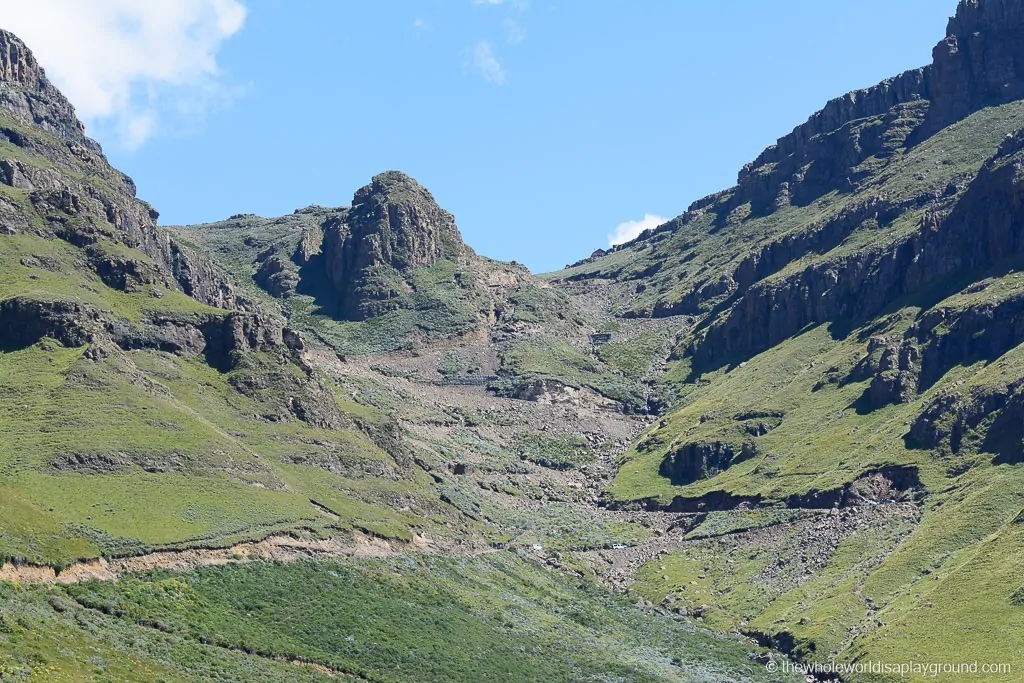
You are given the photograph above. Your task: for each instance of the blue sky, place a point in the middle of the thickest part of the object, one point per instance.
(542, 125)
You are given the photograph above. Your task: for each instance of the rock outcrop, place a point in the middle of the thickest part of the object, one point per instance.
(26, 92)
(394, 226)
(894, 370)
(704, 459)
(950, 417)
(76, 195)
(24, 322)
(985, 226)
(909, 86)
(979, 63)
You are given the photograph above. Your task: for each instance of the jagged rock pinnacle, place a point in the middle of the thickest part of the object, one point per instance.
(28, 94)
(17, 63)
(394, 225)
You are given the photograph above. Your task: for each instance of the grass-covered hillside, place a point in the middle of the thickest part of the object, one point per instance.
(339, 444)
(196, 485)
(145, 403)
(488, 618)
(846, 434)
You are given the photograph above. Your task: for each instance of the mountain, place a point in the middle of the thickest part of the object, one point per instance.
(391, 271)
(196, 485)
(393, 228)
(785, 424)
(848, 360)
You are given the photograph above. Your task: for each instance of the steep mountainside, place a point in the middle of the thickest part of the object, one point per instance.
(393, 227)
(849, 364)
(145, 402)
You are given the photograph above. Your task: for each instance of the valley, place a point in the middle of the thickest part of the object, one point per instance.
(784, 426)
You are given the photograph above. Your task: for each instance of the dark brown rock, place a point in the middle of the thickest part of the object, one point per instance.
(702, 460)
(24, 322)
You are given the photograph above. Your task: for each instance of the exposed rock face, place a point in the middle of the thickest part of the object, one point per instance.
(980, 62)
(25, 90)
(276, 277)
(197, 276)
(894, 369)
(310, 244)
(942, 339)
(70, 204)
(262, 354)
(907, 87)
(280, 267)
(24, 322)
(72, 194)
(951, 416)
(838, 149)
(703, 460)
(985, 226)
(394, 225)
(948, 337)
(239, 333)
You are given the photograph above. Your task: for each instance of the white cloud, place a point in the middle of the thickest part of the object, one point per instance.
(129, 65)
(514, 31)
(515, 10)
(422, 26)
(486, 64)
(630, 230)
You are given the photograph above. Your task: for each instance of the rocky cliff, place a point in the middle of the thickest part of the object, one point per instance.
(26, 92)
(979, 63)
(72, 192)
(91, 268)
(394, 226)
(984, 227)
(774, 253)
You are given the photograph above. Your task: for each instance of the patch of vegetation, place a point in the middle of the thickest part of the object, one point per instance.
(555, 526)
(887, 589)
(432, 619)
(46, 636)
(720, 523)
(179, 457)
(558, 451)
(455, 363)
(532, 304)
(47, 269)
(526, 361)
(31, 535)
(637, 356)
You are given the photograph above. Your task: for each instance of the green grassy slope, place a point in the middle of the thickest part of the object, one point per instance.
(280, 257)
(487, 618)
(180, 457)
(129, 435)
(801, 426)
